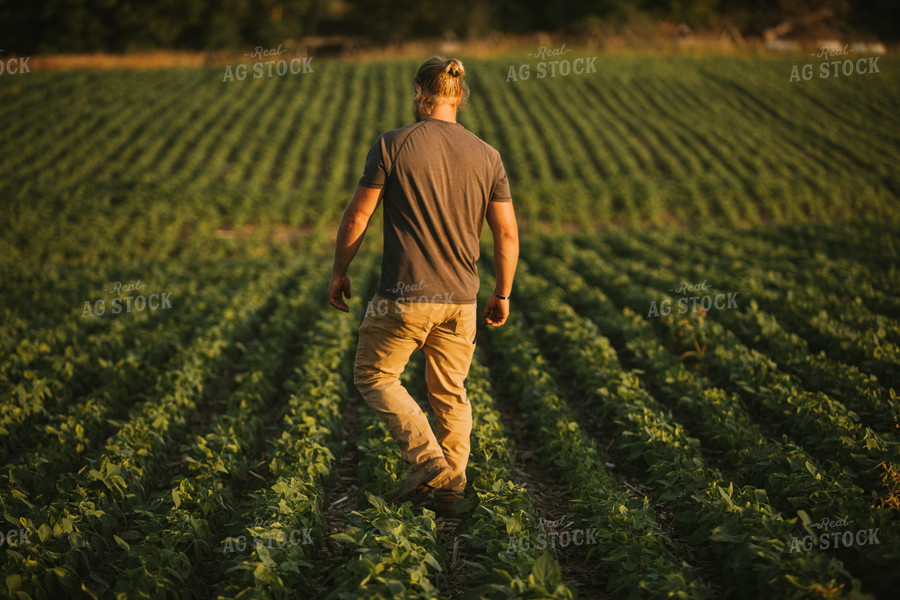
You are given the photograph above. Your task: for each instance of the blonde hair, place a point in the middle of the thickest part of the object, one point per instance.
(439, 80)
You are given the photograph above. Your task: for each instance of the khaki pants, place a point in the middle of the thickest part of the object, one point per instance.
(389, 334)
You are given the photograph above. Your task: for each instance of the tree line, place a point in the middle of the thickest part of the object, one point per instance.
(42, 26)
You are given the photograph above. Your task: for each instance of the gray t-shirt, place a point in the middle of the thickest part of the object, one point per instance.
(438, 178)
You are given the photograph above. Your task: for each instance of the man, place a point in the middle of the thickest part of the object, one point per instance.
(439, 183)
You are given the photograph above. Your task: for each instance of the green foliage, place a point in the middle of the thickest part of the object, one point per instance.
(629, 542)
(504, 526)
(137, 447)
(793, 478)
(737, 527)
(177, 163)
(396, 554)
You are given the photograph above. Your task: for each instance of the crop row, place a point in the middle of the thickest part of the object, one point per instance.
(869, 243)
(78, 377)
(504, 529)
(283, 523)
(803, 309)
(822, 424)
(395, 550)
(794, 480)
(176, 162)
(79, 520)
(735, 527)
(631, 551)
(174, 535)
(840, 276)
(763, 330)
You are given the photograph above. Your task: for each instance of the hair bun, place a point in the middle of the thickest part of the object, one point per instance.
(454, 68)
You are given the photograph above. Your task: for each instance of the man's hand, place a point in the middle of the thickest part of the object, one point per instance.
(338, 287)
(496, 312)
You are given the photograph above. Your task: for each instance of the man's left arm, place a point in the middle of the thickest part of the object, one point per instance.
(350, 235)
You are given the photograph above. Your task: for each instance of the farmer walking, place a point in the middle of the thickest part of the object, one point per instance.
(439, 183)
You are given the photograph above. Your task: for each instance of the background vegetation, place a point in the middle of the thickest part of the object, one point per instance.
(46, 26)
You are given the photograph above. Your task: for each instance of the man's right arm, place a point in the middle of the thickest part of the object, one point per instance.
(350, 235)
(501, 218)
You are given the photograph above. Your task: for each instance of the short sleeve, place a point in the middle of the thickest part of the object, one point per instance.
(500, 190)
(374, 172)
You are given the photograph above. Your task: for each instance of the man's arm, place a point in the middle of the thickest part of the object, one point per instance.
(349, 237)
(501, 218)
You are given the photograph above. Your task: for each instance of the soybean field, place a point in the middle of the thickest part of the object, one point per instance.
(694, 397)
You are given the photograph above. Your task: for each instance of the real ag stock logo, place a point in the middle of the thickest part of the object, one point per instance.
(268, 534)
(555, 535)
(410, 297)
(269, 68)
(842, 538)
(835, 68)
(130, 303)
(552, 68)
(707, 302)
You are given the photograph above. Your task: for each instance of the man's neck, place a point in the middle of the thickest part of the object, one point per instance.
(444, 112)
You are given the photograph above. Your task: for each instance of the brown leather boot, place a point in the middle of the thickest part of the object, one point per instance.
(433, 471)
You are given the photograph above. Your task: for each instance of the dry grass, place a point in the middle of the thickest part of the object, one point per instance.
(660, 39)
(100, 60)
